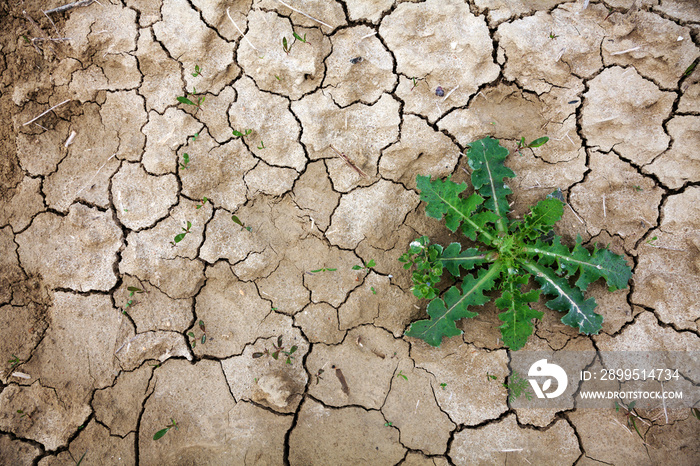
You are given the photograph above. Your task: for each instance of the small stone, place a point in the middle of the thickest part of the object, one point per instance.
(355, 60)
(439, 91)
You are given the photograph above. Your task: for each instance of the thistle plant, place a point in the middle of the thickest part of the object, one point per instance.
(514, 250)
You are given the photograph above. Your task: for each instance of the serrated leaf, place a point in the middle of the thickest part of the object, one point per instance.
(600, 263)
(542, 218)
(486, 157)
(442, 199)
(517, 318)
(452, 259)
(445, 312)
(580, 312)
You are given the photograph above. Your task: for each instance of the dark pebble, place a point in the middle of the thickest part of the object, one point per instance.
(439, 91)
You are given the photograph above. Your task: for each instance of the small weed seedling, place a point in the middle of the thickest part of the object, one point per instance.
(514, 251)
(204, 201)
(652, 240)
(261, 146)
(517, 387)
(79, 462)
(181, 236)
(319, 378)
(367, 266)
(203, 339)
(638, 188)
(186, 101)
(237, 221)
(371, 288)
(185, 164)
(14, 360)
(23, 414)
(536, 143)
(132, 290)
(278, 349)
(401, 374)
(285, 46)
(298, 37)
(553, 36)
(323, 269)
(195, 136)
(278, 78)
(388, 424)
(197, 71)
(162, 432)
(443, 386)
(630, 415)
(245, 133)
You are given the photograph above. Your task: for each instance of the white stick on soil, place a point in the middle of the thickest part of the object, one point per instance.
(625, 51)
(93, 176)
(450, 93)
(302, 13)
(239, 30)
(47, 111)
(69, 6)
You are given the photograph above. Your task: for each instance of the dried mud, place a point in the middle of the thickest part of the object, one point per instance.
(111, 330)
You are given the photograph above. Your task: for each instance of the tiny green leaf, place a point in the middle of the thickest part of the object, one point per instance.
(357, 267)
(292, 349)
(161, 433)
(238, 134)
(539, 142)
(258, 355)
(237, 220)
(185, 100)
(179, 237)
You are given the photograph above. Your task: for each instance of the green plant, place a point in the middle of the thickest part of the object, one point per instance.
(373, 290)
(278, 348)
(261, 146)
(132, 290)
(637, 188)
(285, 46)
(652, 240)
(186, 101)
(204, 201)
(193, 342)
(77, 463)
(517, 387)
(237, 221)
(388, 424)
(323, 269)
(184, 165)
(367, 266)
(197, 71)
(195, 136)
(552, 35)
(14, 360)
(443, 385)
(515, 250)
(181, 236)
(162, 432)
(402, 375)
(536, 143)
(245, 133)
(631, 415)
(297, 37)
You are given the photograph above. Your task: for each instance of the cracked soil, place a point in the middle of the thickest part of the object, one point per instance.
(111, 329)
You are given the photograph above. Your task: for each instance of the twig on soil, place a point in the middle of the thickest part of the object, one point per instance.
(449, 93)
(625, 51)
(572, 210)
(605, 213)
(93, 176)
(347, 160)
(69, 6)
(51, 21)
(369, 35)
(47, 111)
(239, 30)
(302, 13)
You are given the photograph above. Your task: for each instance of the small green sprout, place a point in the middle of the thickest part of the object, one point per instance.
(162, 432)
(26, 39)
(132, 290)
(181, 236)
(553, 36)
(490, 377)
(401, 374)
(204, 201)
(14, 360)
(536, 143)
(323, 269)
(262, 145)
(373, 290)
(285, 46)
(195, 136)
(237, 221)
(297, 37)
(630, 415)
(415, 83)
(278, 78)
(193, 342)
(637, 188)
(388, 424)
(197, 71)
(77, 463)
(443, 385)
(278, 348)
(204, 331)
(517, 387)
(22, 413)
(245, 133)
(651, 240)
(186, 101)
(184, 165)
(690, 69)
(367, 266)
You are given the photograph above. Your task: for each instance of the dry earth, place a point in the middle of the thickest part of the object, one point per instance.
(91, 196)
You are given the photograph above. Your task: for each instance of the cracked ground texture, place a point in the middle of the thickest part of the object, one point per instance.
(93, 192)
